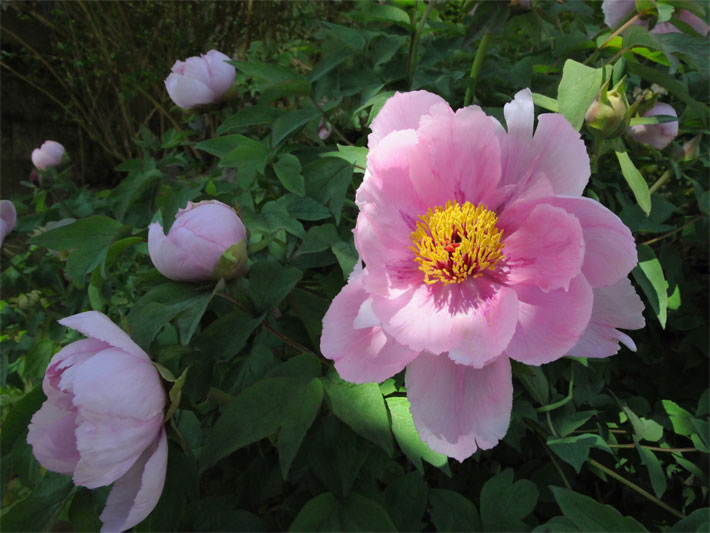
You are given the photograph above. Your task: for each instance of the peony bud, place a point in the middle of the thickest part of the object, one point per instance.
(608, 113)
(48, 155)
(657, 135)
(8, 218)
(689, 151)
(324, 130)
(102, 421)
(206, 241)
(200, 80)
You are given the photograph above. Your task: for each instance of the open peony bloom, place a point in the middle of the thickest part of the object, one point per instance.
(102, 421)
(8, 218)
(657, 135)
(478, 247)
(206, 241)
(48, 155)
(617, 11)
(200, 80)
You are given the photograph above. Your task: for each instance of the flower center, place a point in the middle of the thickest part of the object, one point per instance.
(456, 242)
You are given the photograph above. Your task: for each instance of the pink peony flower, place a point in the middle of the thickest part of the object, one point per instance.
(206, 241)
(102, 421)
(48, 155)
(8, 218)
(617, 11)
(200, 80)
(657, 135)
(478, 247)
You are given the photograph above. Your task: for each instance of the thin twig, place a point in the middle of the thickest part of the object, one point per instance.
(635, 487)
(691, 221)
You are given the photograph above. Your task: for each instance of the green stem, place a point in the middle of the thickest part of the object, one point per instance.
(679, 228)
(563, 401)
(664, 178)
(476, 68)
(635, 487)
(412, 66)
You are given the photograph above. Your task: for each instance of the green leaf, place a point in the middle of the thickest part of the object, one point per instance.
(681, 419)
(88, 238)
(306, 405)
(226, 336)
(258, 412)
(356, 155)
(362, 408)
(305, 208)
(655, 470)
(18, 418)
(575, 450)
(450, 511)
(256, 115)
(220, 146)
(406, 498)
(82, 512)
(504, 504)
(140, 178)
(291, 121)
(163, 303)
(578, 88)
(545, 102)
(534, 380)
(318, 238)
(327, 181)
(36, 510)
(698, 520)
(331, 59)
(644, 429)
(353, 513)
(288, 170)
(567, 422)
(38, 359)
(277, 81)
(589, 515)
(649, 275)
(407, 437)
(270, 282)
(636, 181)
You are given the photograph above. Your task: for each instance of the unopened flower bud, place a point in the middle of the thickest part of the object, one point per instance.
(657, 135)
(608, 113)
(48, 155)
(689, 151)
(206, 241)
(200, 80)
(8, 218)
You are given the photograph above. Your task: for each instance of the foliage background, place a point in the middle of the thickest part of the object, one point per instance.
(265, 435)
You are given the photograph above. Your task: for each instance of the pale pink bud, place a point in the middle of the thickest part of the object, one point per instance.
(206, 241)
(102, 421)
(324, 130)
(8, 218)
(200, 80)
(48, 155)
(657, 135)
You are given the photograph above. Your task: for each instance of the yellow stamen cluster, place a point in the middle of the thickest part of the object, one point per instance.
(456, 242)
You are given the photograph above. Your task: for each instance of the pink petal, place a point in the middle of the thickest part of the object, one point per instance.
(610, 251)
(473, 321)
(458, 409)
(222, 75)
(550, 323)
(554, 159)
(51, 435)
(361, 354)
(617, 11)
(401, 112)
(546, 250)
(458, 156)
(99, 326)
(109, 445)
(173, 262)
(8, 218)
(54, 150)
(657, 135)
(686, 16)
(617, 306)
(187, 92)
(137, 492)
(58, 383)
(115, 383)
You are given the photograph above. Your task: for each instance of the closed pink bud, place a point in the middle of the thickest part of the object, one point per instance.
(657, 135)
(102, 421)
(206, 241)
(324, 130)
(48, 155)
(8, 218)
(200, 80)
